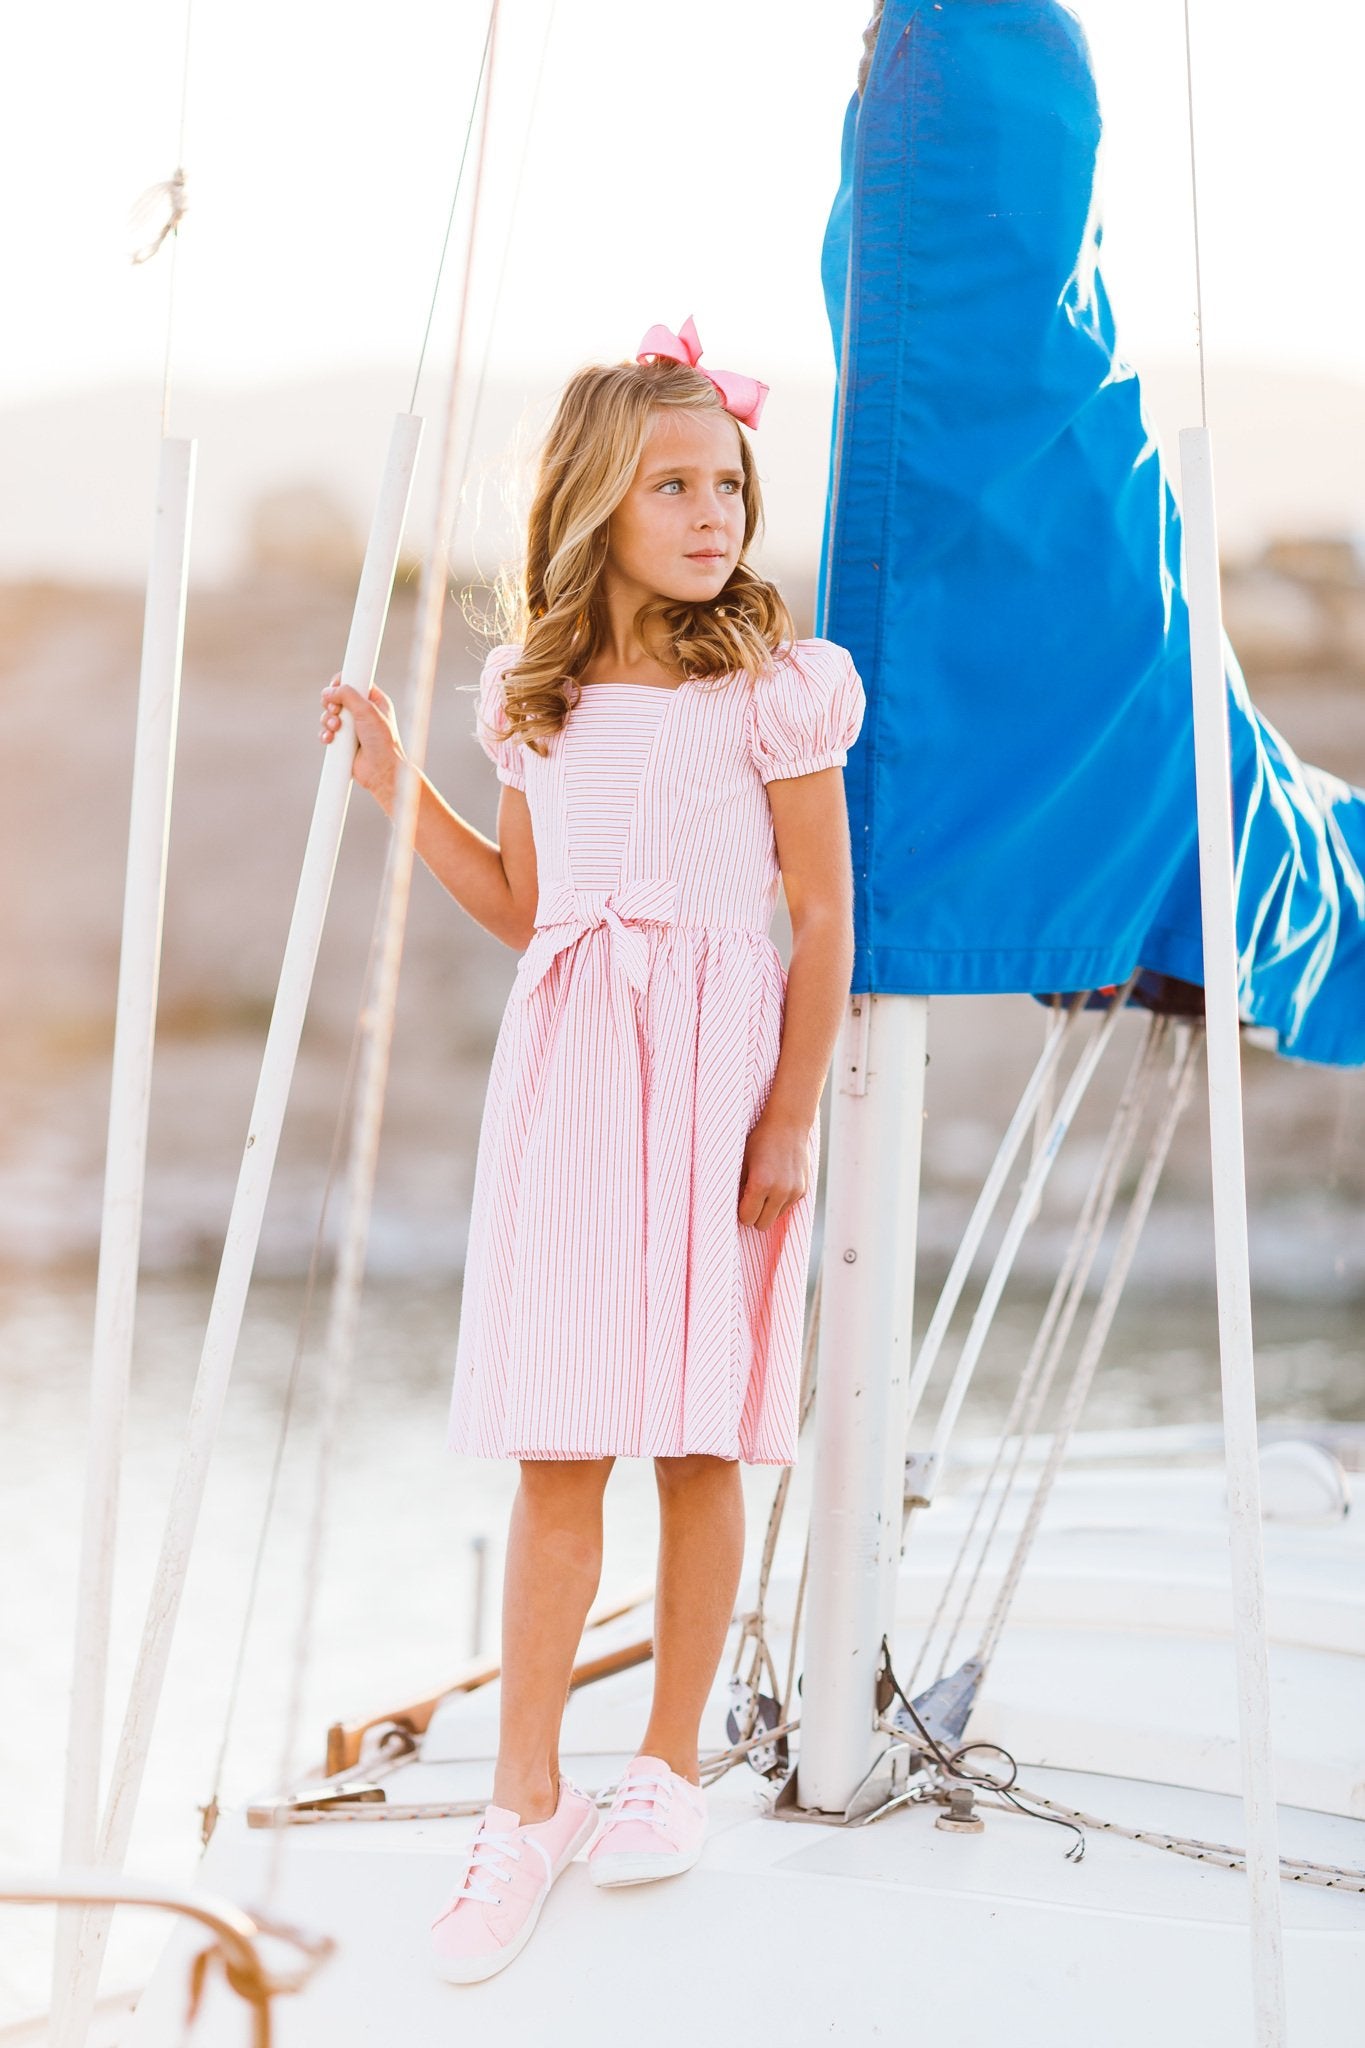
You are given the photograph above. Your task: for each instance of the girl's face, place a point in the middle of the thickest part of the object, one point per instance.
(679, 529)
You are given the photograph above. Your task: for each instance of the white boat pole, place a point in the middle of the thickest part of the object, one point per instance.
(867, 1289)
(253, 1181)
(158, 704)
(1213, 779)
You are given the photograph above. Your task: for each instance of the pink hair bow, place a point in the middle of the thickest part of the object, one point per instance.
(742, 396)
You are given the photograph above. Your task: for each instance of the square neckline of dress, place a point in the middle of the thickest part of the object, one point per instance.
(609, 683)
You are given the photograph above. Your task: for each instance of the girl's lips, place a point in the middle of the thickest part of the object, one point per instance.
(707, 555)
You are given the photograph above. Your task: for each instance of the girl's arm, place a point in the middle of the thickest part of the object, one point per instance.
(810, 822)
(496, 884)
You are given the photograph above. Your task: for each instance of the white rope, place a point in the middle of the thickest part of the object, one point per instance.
(798, 1609)
(1181, 1079)
(1295, 1869)
(1040, 1367)
(715, 1764)
(1047, 1101)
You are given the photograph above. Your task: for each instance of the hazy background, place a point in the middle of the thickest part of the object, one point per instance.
(677, 161)
(674, 161)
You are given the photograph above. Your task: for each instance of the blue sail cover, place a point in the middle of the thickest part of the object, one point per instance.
(1003, 560)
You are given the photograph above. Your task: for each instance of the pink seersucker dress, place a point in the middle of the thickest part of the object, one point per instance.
(613, 1302)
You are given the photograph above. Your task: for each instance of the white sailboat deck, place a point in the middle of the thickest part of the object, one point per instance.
(1113, 1687)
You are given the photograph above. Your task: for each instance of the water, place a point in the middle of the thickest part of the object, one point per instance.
(396, 1614)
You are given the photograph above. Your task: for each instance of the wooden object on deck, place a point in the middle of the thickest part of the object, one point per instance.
(345, 1737)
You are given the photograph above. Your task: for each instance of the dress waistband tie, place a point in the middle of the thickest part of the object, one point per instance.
(571, 913)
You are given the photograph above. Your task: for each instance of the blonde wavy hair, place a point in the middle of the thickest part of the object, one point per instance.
(554, 609)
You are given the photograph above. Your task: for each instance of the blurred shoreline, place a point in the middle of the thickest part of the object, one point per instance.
(257, 652)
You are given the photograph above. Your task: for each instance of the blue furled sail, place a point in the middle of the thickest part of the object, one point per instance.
(1003, 559)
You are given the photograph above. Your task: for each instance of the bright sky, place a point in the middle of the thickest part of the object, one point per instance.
(682, 160)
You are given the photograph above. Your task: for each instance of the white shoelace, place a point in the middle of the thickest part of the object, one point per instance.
(647, 1791)
(489, 1856)
(488, 1860)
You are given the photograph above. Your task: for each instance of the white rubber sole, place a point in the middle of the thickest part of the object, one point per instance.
(641, 1868)
(474, 1969)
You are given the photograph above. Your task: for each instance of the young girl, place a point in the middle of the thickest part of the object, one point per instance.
(636, 1274)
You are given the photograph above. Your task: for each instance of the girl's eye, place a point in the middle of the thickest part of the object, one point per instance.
(674, 484)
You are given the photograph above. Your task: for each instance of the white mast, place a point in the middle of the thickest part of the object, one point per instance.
(867, 1282)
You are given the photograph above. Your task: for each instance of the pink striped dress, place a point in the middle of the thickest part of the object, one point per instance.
(613, 1302)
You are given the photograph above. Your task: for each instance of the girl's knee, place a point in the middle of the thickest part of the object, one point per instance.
(559, 1479)
(697, 1468)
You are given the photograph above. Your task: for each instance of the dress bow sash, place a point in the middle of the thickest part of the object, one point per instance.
(571, 913)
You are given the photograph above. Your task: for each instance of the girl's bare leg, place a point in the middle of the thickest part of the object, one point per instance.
(554, 1563)
(701, 1556)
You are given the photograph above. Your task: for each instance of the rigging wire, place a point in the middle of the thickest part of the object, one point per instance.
(210, 1808)
(178, 186)
(1045, 1354)
(1037, 1806)
(382, 996)
(1179, 1082)
(950, 1762)
(476, 406)
(454, 200)
(171, 198)
(1194, 219)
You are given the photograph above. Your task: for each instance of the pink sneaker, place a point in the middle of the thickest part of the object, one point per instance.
(654, 1828)
(507, 1880)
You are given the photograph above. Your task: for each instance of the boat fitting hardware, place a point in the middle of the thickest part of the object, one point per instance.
(941, 1712)
(316, 1799)
(921, 1471)
(959, 1816)
(751, 1714)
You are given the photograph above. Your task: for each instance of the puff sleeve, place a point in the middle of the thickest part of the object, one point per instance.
(806, 713)
(507, 756)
